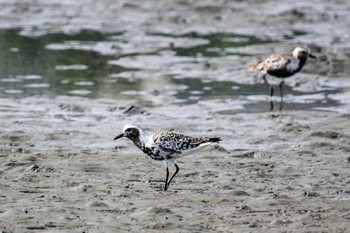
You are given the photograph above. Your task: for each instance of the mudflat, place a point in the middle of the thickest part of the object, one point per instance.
(276, 171)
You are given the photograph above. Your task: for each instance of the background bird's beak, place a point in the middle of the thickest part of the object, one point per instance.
(312, 56)
(119, 136)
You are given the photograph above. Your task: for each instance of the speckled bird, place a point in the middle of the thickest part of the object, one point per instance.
(164, 145)
(282, 66)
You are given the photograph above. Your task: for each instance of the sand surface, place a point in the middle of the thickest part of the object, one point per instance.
(289, 171)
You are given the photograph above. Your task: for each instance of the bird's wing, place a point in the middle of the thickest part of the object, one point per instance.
(277, 61)
(256, 65)
(170, 141)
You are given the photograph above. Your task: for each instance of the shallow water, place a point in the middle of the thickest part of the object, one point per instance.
(123, 66)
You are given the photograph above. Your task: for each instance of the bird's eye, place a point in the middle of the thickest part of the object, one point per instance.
(130, 130)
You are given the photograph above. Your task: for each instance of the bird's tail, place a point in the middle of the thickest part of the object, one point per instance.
(215, 139)
(254, 66)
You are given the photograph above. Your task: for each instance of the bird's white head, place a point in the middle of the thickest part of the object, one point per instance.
(130, 126)
(302, 52)
(131, 131)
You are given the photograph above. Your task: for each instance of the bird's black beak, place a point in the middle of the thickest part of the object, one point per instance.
(312, 56)
(119, 136)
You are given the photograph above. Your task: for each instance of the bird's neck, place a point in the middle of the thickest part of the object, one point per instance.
(140, 140)
(302, 61)
(138, 143)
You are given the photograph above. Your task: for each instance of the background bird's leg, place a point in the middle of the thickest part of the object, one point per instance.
(176, 171)
(271, 91)
(281, 93)
(271, 94)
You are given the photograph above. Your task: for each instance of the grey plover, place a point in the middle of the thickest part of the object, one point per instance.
(282, 66)
(164, 145)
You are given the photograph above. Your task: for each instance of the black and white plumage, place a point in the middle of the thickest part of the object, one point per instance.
(282, 66)
(164, 145)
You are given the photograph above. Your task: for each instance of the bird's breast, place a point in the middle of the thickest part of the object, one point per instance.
(153, 153)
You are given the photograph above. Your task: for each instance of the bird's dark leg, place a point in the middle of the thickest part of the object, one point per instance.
(281, 93)
(176, 171)
(166, 178)
(271, 94)
(271, 91)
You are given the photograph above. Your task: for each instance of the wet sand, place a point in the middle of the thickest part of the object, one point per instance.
(284, 171)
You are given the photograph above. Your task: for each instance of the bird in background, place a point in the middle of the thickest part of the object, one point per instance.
(282, 66)
(165, 146)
